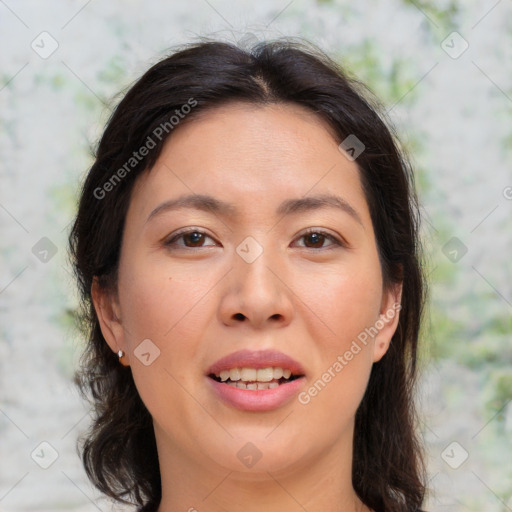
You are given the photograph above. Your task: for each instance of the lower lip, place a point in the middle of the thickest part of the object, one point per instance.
(257, 399)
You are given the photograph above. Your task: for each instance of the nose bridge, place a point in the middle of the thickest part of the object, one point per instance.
(255, 292)
(253, 261)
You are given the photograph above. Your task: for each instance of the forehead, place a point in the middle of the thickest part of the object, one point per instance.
(266, 131)
(251, 153)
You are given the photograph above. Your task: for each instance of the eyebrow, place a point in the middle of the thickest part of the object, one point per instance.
(289, 207)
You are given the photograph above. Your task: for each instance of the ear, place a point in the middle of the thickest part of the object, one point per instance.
(388, 320)
(107, 309)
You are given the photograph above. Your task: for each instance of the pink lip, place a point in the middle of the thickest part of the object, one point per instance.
(257, 399)
(259, 359)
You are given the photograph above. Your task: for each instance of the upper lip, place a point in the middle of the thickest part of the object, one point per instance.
(256, 359)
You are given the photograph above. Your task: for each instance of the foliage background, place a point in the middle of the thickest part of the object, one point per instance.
(452, 114)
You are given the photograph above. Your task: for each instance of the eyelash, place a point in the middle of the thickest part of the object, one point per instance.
(335, 241)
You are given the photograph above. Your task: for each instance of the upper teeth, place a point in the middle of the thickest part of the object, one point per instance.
(254, 375)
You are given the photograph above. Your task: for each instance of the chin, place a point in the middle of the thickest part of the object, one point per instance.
(254, 456)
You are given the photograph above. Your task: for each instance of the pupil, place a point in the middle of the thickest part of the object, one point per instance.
(195, 237)
(316, 238)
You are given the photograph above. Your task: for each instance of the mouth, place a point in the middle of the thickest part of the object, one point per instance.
(255, 378)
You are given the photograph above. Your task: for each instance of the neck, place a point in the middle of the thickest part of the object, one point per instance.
(199, 485)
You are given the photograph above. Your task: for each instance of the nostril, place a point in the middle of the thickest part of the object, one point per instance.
(239, 316)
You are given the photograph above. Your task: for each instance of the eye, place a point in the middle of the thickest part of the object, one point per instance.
(193, 238)
(315, 239)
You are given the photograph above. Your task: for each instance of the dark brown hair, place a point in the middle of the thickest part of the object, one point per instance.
(119, 451)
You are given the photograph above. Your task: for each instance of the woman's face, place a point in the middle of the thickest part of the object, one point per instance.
(276, 254)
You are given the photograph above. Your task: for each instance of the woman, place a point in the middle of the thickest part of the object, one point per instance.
(247, 254)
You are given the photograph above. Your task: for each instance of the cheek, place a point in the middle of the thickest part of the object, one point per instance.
(159, 302)
(171, 308)
(166, 309)
(347, 304)
(346, 301)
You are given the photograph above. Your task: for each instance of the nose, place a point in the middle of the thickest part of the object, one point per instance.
(257, 293)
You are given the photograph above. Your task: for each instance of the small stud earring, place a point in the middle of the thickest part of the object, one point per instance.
(122, 358)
